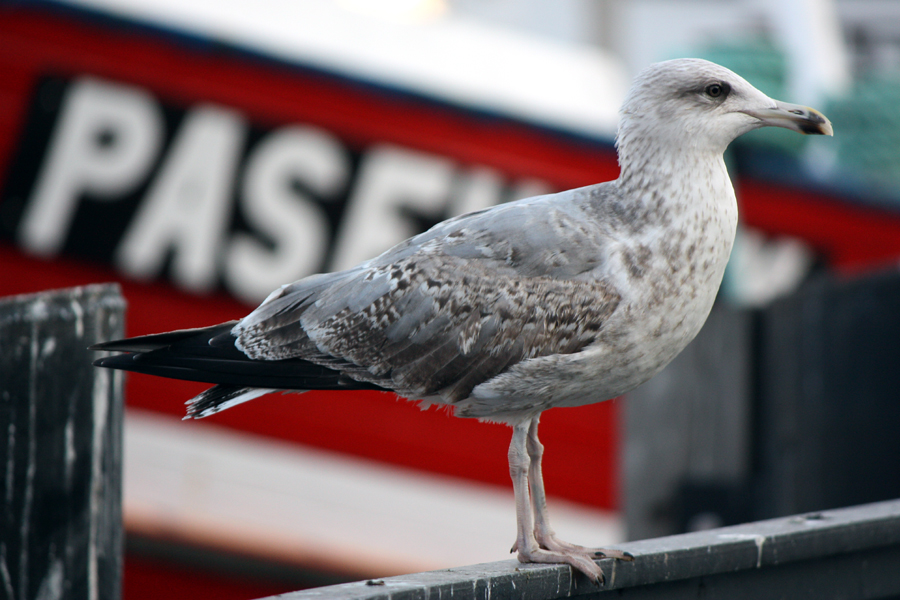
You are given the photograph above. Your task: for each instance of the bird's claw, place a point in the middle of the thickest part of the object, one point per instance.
(580, 562)
(617, 554)
(550, 550)
(549, 541)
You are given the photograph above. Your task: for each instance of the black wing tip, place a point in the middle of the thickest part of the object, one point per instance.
(113, 346)
(114, 362)
(221, 333)
(208, 355)
(225, 339)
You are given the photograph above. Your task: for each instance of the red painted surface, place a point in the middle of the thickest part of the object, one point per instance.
(151, 579)
(852, 238)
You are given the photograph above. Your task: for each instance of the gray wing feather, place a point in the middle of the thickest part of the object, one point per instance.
(452, 307)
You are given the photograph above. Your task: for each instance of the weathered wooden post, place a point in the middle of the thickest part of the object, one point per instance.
(61, 446)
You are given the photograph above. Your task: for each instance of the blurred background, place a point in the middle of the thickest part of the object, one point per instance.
(202, 154)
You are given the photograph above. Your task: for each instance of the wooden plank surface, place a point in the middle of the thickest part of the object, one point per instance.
(849, 553)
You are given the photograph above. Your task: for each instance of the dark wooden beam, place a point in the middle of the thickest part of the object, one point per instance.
(850, 553)
(61, 432)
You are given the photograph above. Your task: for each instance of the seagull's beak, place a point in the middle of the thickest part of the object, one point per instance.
(793, 116)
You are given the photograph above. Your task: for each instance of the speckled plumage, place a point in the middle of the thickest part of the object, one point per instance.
(453, 308)
(558, 300)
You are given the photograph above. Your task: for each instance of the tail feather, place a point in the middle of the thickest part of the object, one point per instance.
(209, 355)
(220, 397)
(156, 341)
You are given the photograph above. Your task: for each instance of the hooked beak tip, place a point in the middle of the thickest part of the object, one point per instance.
(802, 119)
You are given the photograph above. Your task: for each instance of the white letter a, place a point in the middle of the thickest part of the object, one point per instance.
(188, 206)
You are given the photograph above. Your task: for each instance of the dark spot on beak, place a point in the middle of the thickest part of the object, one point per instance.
(812, 124)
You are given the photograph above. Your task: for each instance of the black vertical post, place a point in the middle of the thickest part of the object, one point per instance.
(829, 405)
(61, 446)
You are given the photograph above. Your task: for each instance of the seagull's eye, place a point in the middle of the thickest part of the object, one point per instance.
(717, 90)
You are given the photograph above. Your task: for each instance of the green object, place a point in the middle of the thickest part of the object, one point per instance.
(869, 140)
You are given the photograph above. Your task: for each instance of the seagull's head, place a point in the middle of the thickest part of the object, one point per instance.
(692, 103)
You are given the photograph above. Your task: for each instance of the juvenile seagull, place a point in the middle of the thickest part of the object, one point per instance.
(558, 300)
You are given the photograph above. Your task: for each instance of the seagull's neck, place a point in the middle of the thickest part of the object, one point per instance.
(675, 179)
(685, 199)
(681, 216)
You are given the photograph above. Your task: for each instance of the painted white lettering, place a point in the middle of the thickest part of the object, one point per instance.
(390, 179)
(104, 142)
(188, 206)
(273, 201)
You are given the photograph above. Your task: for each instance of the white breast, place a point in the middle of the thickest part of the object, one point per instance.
(668, 276)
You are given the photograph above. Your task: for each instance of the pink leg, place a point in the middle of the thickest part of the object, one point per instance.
(526, 543)
(543, 533)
